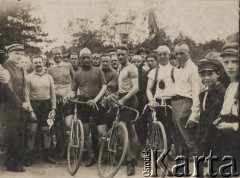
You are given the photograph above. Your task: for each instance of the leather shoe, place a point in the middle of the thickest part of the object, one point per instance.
(28, 163)
(130, 170)
(50, 160)
(90, 162)
(16, 169)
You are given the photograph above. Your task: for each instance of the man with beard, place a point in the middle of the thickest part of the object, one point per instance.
(43, 102)
(128, 88)
(12, 114)
(74, 61)
(62, 74)
(90, 81)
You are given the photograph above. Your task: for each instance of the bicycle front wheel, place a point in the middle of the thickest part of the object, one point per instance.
(75, 146)
(113, 151)
(159, 143)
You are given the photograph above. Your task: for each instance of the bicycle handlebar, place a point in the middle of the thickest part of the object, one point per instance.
(123, 106)
(82, 102)
(159, 105)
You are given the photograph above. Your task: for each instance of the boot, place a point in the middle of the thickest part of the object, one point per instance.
(131, 168)
(91, 161)
(48, 157)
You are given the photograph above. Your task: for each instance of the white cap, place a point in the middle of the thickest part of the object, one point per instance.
(163, 48)
(85, 51)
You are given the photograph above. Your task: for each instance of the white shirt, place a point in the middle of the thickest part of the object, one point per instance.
(229, 105)
(164, 74)
(188, 84)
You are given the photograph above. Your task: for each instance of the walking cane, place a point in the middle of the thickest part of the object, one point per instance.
(23, 113)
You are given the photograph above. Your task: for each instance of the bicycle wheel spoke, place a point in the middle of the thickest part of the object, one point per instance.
(113, 151)
(75, 147)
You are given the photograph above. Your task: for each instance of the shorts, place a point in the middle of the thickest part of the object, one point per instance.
(41, 108)
(63, 111)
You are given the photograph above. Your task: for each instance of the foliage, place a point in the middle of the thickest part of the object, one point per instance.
(18, 26)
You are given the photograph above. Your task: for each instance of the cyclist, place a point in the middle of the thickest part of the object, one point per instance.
(43, 101)
(62, 74)
(164, 90)
(127, 89)
(91, 82)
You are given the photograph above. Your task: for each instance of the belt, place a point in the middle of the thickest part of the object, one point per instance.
(178, 97)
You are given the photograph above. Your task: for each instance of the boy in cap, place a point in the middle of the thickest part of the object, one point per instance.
(228, 123)
(211, 73)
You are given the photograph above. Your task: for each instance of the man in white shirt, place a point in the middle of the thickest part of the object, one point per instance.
(164, 89)
(185, 104)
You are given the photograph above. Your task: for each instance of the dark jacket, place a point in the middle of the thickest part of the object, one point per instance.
(214, 101)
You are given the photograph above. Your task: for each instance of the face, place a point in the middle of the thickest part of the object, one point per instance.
(57, 55)
(86, 61)
(16, 56)
(112, 53)
(114, 62)
(163, 57)
(96, 61)
(51, 63)
(144, 55)
(174, 62)
(182, 54)
(106, 62)
(209, 77)
(24, 62)
(231, 66)
(137, 61)
(151, 62)
(74, 60)
(122, 56)
(38, 64)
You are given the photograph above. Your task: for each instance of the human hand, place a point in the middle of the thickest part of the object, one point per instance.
(190, 124)
(91, 103)
(25, 106)
(153, 104)
(33, 116)
(225, 126)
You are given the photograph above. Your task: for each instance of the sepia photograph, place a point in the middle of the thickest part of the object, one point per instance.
(119, 88)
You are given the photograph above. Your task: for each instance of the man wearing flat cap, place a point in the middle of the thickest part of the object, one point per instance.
(15, 120)
(143, 52)
(228, 123)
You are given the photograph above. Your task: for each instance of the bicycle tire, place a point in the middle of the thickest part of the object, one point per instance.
(113, 147)
(159, 142)
(75, 146)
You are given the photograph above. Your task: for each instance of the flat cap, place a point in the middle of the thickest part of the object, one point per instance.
(15, 47)
(209, 65)
(142, 50)
(231, 46)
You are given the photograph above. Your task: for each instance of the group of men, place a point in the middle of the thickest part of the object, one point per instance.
(40, 99)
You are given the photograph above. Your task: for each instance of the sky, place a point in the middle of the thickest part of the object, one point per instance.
(201, 20)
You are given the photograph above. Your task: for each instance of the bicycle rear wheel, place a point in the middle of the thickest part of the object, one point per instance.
(159, 143)
(75, 146)
(113, 151)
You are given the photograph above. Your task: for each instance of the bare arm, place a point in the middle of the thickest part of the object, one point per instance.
(101, 93)
(149, 90)
(133, 91)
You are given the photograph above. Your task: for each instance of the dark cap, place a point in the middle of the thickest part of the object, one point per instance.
(15, 47)
(172, 56)
(209, 65)
(231, 46)
(142, 50)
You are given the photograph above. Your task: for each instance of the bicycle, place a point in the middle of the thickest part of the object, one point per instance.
(157, 137)
(114, 147)
(75, 142)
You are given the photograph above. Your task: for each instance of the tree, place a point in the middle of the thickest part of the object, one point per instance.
(18, 26)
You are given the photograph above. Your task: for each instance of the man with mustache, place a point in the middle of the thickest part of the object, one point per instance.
(12, 116)
(90, 81)
(43, 102)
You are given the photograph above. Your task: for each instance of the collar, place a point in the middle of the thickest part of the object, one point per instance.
(217, 86)
(39, 73)
(187, 63)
